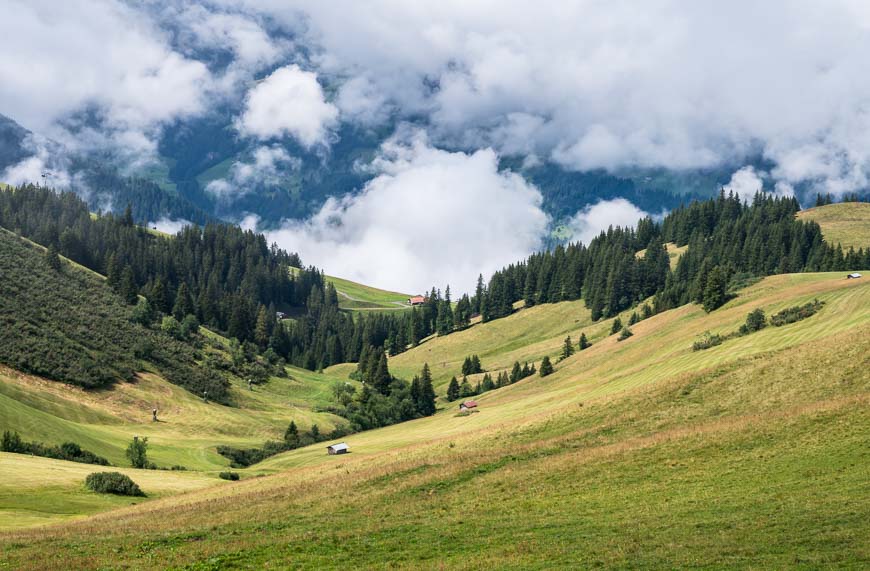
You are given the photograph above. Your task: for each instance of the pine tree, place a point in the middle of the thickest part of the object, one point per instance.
(516, 372)
(127, 219)
(715, 290)
(453, 390)
(465, 389)
(183, 302)
(381, 377)
(546, 367)
(261, 329)
(584, 343)
(426, 405)
(475, 365)
(113, 272)
(158, 297)
(127, 286)
(291, 435)
(616, 327)
(624, 334)
(633, 319)
(567, 348)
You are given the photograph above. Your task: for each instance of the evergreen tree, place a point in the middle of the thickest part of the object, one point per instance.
(453, 390)
(262, 330)
(715, 290)
(633, 319)
(516, 372)
(624, 334)
(616, 327)
(567, 348)
(158, 297)
(381, 377)
(584, 343)
(426, 403)
(465, 389)
(467, 366)
(546, 367)
(291, 435)
(183, 303)
(475, 365)
(127, 286)
(113, 272)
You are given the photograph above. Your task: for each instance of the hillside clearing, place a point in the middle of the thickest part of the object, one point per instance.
(846, 223)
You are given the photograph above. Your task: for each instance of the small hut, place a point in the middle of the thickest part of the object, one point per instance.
(341, 448)
(467, 405)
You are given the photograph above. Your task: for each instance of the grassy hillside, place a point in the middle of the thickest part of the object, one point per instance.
(847, 223)
(634, 454)
(358, 297)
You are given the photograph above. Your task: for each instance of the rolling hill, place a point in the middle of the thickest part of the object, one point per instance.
(670, 428)
(846, 223)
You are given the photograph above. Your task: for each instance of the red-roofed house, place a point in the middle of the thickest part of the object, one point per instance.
(416, 300)
(467, 405)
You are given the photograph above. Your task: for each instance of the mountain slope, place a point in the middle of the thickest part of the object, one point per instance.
(619, 458)
(845, 223)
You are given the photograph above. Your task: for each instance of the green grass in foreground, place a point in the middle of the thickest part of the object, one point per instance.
(759, 462)
(846, 223)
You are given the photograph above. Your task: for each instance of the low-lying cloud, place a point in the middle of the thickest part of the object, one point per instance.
(428, 217)
(290, 102)
(267, 167)
(596, 218)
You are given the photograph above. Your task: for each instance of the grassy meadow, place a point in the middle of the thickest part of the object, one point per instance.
(843, 223)
(642, 453)
(637, 454)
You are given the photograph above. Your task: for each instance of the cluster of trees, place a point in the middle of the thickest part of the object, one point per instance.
(12, 442)
(457, 390)
(825, 199)
(727, 239)
(378, 404)
(65, 324)
(293, 438)
(471, 365)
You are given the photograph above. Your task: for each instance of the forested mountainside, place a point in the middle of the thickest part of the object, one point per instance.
(61, 322)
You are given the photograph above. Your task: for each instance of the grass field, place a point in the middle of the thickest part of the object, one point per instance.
(845, 223)
(674, 253)
(637, 454)
(358, 297)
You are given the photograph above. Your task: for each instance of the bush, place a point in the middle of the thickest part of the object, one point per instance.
(755, 321)
(796, 313)
(706, 341)
(232, 476)
(624, 334)
(112, 483)
(11, 442)
(137, 453)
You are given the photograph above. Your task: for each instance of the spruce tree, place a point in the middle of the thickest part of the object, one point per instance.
(183, 302)
(624, 334)
(715, 290)
(381, 378)
(465, 389)
(453, 390)
(584, 343)
(616, 327)
(262, 330)
(127, 286)
(291, 435)
(546, 367)
(426, 405)
(475, 365)
(567, 348)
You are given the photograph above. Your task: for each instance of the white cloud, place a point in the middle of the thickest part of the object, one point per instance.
(745, 182)
(60, 58)
(169, 226)
(288, 102)
(267, 168)
(429, 217)
(596, 218)
(615, 84)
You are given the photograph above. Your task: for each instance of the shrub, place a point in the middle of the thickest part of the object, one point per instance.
(112, 483)
(706, 341)
(12, 442)
(624, 334)
(232, 476)
(755, 321)
(137, 453)
(796, 313)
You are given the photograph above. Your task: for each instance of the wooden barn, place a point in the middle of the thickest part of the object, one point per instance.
(467, 405)
(416, 300)
(341, 448)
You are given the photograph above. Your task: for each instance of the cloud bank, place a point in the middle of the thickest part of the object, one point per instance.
(596, 218)
(429, 217)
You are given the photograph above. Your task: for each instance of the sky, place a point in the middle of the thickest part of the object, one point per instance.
(582, 83)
